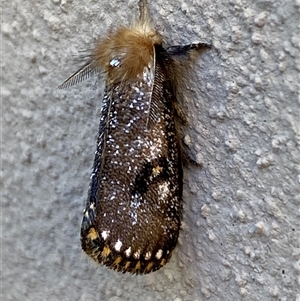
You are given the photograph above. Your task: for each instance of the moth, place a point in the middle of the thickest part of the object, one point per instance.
(133, 211)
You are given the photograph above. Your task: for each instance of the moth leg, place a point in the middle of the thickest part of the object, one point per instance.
(179, 112)
(187, 157)
(179, 72)
(182, 55)
(188, 160)
(185, 51)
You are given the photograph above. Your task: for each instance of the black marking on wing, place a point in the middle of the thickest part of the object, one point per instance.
(146, 176)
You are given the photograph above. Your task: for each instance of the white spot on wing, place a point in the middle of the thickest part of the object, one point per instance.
(128, 252)
(104, 234)
(163, 190)
(148, 256)
(118, 245)
(137, 254)
(134, 217)
(159, 253)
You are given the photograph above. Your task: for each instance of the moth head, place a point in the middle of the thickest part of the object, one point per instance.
(124, 54)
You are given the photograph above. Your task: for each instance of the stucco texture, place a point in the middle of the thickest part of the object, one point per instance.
(240, 232)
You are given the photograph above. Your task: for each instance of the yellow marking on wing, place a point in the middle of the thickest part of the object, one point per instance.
(156, 170)
(127, 265)
(163, 262)
(92, 235)
(149, 266)
(117, 261)
(138, 266)
(105, 252)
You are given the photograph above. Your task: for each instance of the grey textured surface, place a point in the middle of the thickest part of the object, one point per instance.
(240, 235)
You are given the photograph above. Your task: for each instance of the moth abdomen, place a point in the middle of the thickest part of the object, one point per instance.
(133, 212)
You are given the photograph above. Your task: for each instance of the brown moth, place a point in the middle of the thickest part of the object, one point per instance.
(132, 217)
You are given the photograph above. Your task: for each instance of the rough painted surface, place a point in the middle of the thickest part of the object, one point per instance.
(240, 236)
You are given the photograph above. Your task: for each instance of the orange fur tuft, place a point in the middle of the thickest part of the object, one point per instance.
(124, 54)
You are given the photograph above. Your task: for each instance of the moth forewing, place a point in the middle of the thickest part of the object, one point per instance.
(132, 217)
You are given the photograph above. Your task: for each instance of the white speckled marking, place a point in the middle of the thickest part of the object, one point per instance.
(128, 252)
(163, 190)
(155, 148)
(104, 234)
(159, 253)
(148, 256)
(118, 245)
(134, 217)
(137, 254)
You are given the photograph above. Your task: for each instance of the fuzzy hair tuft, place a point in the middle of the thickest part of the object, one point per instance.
(124, 54)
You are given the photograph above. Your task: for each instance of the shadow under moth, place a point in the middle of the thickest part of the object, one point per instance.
(132, 217)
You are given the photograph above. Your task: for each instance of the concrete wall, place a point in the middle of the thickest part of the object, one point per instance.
(240, 235)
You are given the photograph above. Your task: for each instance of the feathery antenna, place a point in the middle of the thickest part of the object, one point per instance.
(83, 73)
